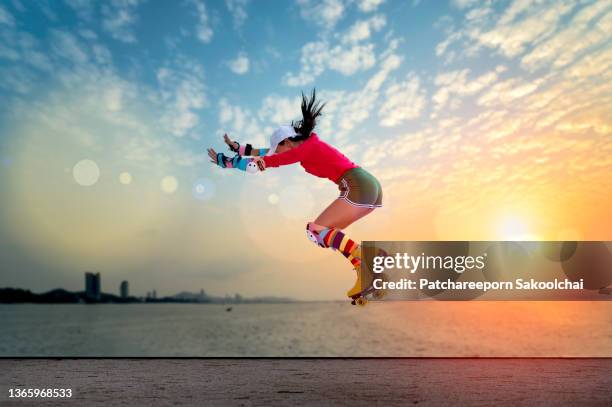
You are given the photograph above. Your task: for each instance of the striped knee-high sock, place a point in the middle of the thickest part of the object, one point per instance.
(337, 240)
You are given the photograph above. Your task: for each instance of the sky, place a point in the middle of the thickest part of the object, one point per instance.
(483, 120)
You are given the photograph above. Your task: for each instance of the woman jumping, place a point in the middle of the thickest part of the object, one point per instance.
(360, 191)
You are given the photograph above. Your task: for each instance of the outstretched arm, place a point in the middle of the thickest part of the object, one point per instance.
(276, 160)
(287, 157)
(247, 150)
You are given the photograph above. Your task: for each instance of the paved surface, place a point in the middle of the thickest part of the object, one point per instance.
(427, 382)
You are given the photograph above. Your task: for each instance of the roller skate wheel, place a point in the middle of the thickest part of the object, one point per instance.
(361, 301)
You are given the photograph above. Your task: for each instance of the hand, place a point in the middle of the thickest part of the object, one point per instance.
(231, 144)
(212, 154)
(260, 163)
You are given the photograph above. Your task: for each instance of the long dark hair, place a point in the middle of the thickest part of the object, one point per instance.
(311, 109)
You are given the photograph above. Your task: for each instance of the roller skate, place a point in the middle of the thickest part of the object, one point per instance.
(356, 294)
(360, 295)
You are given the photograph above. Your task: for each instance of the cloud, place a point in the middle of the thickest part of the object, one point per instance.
(478, 14)
(238, 10)
(318, 56)
(96, 111)
(508, 92)
(240, 65)
(81, 119)
(241, 124)
(204, 30)
(442, 46)
(6, 17)
(517, 7)
(113, 98)
(516, 134)
(403, 101)
(594, 65)
(463, 3)
(456, 83)
(277, 110)
(344, 53)
(352, 108)
(183, 93)
(348, 61)
(17, 80)
(66, 45)
(9, 53)
(512, 39)
(102, 55)
(118, 17)
(325, 13)
(520, 131)
(67, 56)
(399, 148)
(369, 5)
(24, 48)
(561, 48)
(363, 29)
(510, 33)
(255, 126)
(313, 62)
(85, 9)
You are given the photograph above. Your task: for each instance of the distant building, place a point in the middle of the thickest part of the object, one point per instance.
(124, 290)
(154, 295)
(92, 286)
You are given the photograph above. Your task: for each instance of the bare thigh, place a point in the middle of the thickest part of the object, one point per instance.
(340, 214)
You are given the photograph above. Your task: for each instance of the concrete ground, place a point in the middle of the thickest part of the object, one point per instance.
(429, 382)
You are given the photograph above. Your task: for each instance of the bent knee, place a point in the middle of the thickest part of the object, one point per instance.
(315, 235)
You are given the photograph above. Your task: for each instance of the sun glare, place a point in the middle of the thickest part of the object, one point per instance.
(515, 228)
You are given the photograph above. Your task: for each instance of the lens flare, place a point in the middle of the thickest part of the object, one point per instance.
(169, 184)
(125, 178)
(86, 173)
(203, 189)
(273, 199)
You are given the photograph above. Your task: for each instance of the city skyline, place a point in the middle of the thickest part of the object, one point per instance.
(93, 293)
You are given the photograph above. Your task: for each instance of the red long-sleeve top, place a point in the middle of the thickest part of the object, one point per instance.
(316, 156)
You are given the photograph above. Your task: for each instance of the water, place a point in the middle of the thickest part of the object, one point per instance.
(425, 328)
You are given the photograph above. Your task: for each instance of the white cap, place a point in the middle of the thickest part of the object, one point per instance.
(279, 135)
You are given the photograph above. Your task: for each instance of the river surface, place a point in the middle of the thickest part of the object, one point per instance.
(423, 328)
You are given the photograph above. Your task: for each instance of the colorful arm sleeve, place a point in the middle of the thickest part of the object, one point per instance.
(238, 162)
(260, 152)
(247, 150)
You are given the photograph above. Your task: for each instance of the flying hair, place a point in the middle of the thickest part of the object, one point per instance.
(311, 110)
